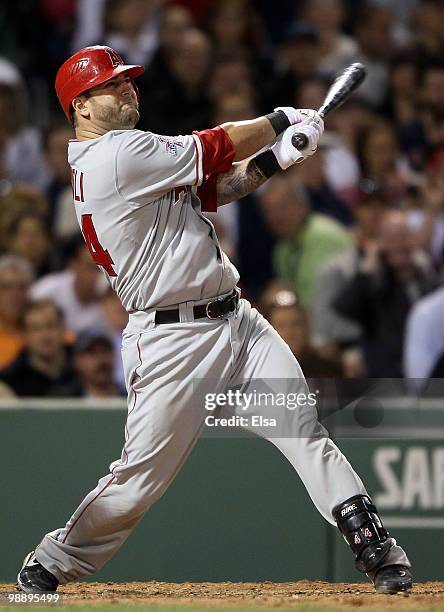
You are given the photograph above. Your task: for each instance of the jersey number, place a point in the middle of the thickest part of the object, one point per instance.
(100, 256)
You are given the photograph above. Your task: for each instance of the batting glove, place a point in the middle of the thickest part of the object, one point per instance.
(283, 149)
(297, 115)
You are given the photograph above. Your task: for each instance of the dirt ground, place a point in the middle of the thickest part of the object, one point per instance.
(426, 596)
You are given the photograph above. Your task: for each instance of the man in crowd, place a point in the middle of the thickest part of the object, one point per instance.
(43, 368)
(94, 363)
(15, 278)
(306, 239)
(390, 278)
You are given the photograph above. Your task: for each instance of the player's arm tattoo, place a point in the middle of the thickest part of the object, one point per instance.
(239, 181)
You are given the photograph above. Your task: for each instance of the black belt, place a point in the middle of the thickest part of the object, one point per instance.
(214, 309)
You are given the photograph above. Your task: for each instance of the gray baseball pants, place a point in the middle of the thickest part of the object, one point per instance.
(162, 364)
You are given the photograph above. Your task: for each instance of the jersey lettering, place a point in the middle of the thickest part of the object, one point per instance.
(101, 257)
(77, 185)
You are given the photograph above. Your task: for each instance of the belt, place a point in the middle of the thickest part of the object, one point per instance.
(214, 309)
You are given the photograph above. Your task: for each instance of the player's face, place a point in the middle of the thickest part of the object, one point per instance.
(114, 104)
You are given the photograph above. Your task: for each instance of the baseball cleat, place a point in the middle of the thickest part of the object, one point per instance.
(393, 579)
(34, 578)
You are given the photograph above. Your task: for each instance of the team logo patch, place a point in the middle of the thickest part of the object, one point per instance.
(368, 533)
(114, 57)
(171, 144)
(357, 539)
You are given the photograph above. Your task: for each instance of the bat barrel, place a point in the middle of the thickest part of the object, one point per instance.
(341, 89)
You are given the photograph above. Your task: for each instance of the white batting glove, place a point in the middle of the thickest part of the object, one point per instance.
(313, 128)
(297, 115)
(283, 149)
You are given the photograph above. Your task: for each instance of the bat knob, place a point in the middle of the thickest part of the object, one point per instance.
(299, 141)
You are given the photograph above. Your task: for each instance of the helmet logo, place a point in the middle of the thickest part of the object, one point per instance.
(79, 66)
(114, 57)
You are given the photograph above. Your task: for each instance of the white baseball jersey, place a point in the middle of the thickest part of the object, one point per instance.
(138, 202)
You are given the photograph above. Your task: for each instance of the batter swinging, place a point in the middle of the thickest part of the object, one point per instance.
(139, 199)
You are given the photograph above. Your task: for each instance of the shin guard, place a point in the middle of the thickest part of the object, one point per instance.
(359, 522)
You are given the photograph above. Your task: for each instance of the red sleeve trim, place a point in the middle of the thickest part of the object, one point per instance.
(218, 154)
(217, 150)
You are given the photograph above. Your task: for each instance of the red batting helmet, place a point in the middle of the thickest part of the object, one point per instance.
(88, 68)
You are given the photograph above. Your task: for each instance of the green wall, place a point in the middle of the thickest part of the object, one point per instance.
(236, 511)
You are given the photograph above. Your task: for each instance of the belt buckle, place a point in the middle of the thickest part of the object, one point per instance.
(235, 295)
(207, 312)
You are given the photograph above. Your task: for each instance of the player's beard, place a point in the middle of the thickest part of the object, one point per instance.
(117, 118)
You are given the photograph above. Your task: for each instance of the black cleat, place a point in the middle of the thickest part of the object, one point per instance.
(393, 579)
(34, 578)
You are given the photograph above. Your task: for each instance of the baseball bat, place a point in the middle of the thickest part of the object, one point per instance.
(339, 91)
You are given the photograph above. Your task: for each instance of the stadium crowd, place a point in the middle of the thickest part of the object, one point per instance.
(344, 253)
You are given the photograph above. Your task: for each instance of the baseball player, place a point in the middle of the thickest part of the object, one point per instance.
(139, 199)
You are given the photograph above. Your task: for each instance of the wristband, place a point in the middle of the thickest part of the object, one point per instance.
(267, 163)
(279, 121)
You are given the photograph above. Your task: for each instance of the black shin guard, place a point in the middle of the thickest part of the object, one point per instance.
(358, 521)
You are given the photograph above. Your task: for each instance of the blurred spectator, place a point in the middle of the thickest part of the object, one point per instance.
(337, 50)
(424, 341)
(174, 21)
(15, 279)
(55, 143)
(179, 103)
(340, 150)
(417, 100)
(403, 92)
(76, 290)
(27, 236)
(380, 159)
(299, 60)
(373, 30)
(427, 27)
(290, 321)
(306, 240)
(21, 158)
(391, 277)
(15, 201)
(276, 21)
(234, 27)
(231, 75)
(116, 319)
(334, 334)
(94, 363)
(426, 211)
(131, 28)
(311, 174)
(43, 368)
(432, 98)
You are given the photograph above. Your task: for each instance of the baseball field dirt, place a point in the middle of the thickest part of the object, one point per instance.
(304, 596)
